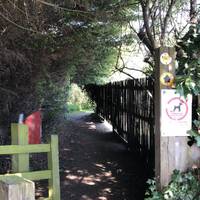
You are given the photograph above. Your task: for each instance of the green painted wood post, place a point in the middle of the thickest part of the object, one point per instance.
(19, 136)
(53, 164)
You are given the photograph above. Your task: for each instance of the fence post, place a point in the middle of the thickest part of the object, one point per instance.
(16, 188)
(19, 136)
(53, 164)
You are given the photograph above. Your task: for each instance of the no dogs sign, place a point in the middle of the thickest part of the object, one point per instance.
(176, 113)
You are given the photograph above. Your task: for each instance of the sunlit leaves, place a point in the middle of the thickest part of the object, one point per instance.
(188, 78)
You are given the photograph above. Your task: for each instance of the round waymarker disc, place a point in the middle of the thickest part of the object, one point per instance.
(165, 58)
(167, 79)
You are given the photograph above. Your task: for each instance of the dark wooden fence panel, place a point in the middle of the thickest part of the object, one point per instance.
(128, 106)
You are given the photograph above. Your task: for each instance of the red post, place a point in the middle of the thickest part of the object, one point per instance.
(34, 123)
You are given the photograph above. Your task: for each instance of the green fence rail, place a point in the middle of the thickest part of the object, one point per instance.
(20, 150)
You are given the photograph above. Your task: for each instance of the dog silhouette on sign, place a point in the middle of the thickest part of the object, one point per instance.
(177, 107)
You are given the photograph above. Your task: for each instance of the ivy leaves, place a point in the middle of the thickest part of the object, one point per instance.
(188, 72)
(182, 186)
(195, 133)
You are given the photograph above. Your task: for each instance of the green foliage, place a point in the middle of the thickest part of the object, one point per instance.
(58, 41)
(183, 186)
(152, 193)
(52, 99)
(188, 71)
(195, 133)
(78, 100)
(73, 107)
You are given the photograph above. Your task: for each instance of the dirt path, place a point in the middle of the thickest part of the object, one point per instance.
(94, 164)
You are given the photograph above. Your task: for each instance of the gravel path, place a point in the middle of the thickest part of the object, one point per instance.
(94, 164)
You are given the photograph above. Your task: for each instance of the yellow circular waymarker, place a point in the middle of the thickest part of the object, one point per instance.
(167, 79)
(165, 58)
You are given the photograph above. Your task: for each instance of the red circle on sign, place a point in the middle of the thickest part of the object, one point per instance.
(177, 104)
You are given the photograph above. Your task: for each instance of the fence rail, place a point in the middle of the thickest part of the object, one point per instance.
(17, 149)
(128, 106)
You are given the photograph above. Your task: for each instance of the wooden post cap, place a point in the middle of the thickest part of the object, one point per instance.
(15, 187)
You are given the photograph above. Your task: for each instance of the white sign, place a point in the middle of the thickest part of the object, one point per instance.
(176, 113)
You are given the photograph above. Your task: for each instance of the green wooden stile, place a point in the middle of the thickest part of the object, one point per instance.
(19, 136)
(53, 164)
(20, 150)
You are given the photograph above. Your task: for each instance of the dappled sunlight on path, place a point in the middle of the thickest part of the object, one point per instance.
(94, 164)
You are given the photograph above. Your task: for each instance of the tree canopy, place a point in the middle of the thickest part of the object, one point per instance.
(47, 44)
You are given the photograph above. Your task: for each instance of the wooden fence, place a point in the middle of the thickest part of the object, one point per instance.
(128, 106)
(20, 159)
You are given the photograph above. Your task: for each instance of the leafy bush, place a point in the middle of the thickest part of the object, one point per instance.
(78, 99)
(195, 133)
(73, 107)
(188, 72)
(183, 186)
(52, 99)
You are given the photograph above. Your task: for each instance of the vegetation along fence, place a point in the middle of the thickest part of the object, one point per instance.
(128, 106)
(20, 151)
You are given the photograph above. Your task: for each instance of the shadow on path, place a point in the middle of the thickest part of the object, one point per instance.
(95, 165)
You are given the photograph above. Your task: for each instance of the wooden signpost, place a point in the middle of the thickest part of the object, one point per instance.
(172, 120)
